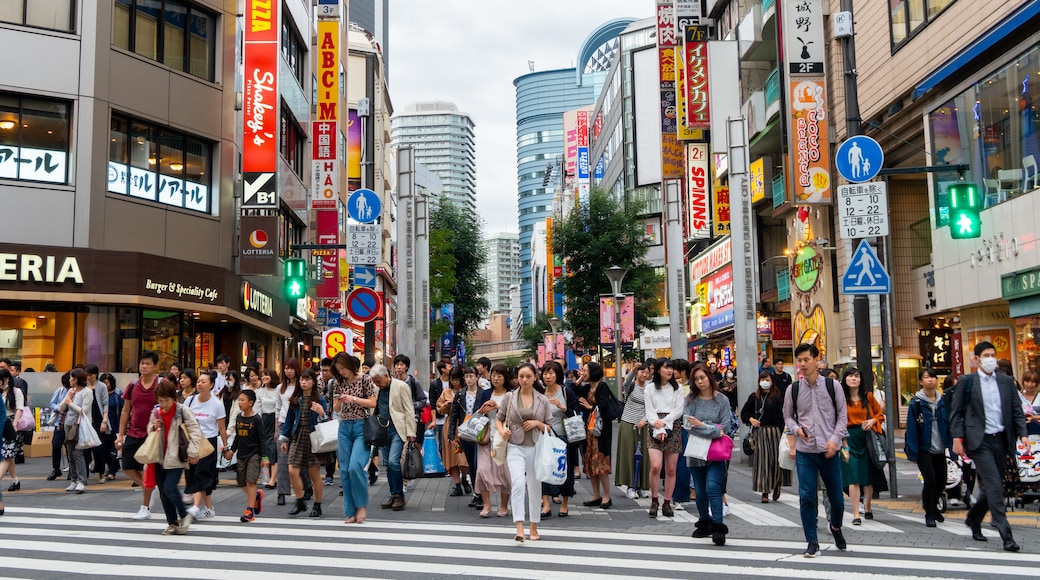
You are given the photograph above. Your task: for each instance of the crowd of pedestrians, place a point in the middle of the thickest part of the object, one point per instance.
(675, 420)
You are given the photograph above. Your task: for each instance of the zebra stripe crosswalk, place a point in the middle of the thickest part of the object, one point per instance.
(50, 543)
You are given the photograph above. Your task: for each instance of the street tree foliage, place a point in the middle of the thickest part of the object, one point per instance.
(604, 232)
(457, 255)
(532, 333)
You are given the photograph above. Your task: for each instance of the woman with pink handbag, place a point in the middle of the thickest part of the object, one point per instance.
(706, 413)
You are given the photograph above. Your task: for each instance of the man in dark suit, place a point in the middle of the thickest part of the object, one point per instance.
(986, 423)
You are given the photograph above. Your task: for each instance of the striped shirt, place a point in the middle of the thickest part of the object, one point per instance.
(635, 404)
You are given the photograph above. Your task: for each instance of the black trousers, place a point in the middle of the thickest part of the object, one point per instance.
(933, 471)
(990, 460)
(57, 447)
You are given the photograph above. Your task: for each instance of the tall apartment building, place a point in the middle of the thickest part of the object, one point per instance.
(542, 97)
(119, 146)
(374, 17)
(443, 141)
(502, 269)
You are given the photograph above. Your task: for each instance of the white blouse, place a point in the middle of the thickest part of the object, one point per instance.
(663, 400)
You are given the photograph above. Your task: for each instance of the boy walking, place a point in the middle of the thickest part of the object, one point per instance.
(249, 443)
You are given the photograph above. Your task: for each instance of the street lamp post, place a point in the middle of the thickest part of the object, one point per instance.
(616, 274)
(554, 326)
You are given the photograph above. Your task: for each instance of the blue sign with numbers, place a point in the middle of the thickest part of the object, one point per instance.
(859, 159)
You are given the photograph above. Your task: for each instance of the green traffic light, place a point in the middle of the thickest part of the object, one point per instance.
(295, 279)
(965, 205)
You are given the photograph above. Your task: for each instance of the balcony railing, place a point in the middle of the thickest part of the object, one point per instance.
(779, 195)
(767, 4)
(772, 87)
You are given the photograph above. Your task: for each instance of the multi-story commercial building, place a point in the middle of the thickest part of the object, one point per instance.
(374, 16)
(443, 141)
(119, 161)
(542, 98)
(501, 269)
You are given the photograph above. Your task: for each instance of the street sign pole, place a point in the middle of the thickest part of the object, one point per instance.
(860, 303)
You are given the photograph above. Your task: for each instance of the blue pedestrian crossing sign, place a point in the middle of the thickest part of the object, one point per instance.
(859, 159)
(364, 206)
(865, 274)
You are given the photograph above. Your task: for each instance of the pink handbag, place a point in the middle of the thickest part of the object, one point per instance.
(721, 449)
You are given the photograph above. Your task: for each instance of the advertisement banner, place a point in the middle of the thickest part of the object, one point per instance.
(327, 71)
(260, 87)
(353, 150)
(258, 245)
(720, 301)
(606, 320)
(804, 46)
(550, 273)
(682, 131)
(720, 209)
(673, 165)
(782, 334)
(335, 341)
(325, 193)
(328, 260)
(758, 185)
(570, 149)
(810, 158)
(695, 87)
(666, 31)
(628, 322)
(697, 184)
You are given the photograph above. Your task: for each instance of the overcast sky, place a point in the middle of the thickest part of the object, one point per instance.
(469, 52)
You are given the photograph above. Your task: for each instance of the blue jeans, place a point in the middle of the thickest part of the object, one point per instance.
(707, 482)
(392, 463)
(353, 455)
(809, 466)
(166, 481)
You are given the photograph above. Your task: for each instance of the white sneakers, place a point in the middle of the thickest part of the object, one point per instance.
(631, 494)
(204, 514)
(71, 487)
(80, 487)
(143, 514)
(193, 512)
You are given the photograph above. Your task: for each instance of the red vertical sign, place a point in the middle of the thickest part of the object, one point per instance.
(328, 260)
(260, 87)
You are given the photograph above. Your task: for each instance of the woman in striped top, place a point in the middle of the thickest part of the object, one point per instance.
(631, 433)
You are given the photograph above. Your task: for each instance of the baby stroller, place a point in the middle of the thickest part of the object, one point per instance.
(1027, 488)
(960, 483)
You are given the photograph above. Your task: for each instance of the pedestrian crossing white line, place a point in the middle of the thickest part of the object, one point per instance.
(955, 526)
(759, 516)
(446, 549)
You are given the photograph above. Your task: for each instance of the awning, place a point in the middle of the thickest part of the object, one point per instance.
(1028, 306)
(991, 38)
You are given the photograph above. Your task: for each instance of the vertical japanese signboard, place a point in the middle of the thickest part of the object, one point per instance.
(584, 164)
(325, 139)
(698, 183)
(260, 105)
(720, 209)
(803, 42)
(695, 67)
(672, 165)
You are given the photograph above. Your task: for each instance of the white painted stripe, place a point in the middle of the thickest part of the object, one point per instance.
(490, 547)
(955, 526)
(758, 516)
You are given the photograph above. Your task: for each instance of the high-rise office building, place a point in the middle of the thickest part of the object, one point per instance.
(501, 269)
(373, 16)
(443, 141)
(541, 99)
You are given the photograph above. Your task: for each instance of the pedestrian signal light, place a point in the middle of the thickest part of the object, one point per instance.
(295, 279)
(965, 205)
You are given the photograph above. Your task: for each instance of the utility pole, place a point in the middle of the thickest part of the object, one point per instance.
(861, 303)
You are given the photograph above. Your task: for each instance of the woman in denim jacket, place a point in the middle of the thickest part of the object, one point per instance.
(927, 439)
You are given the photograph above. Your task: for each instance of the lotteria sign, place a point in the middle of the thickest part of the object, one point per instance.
(254, 300)
(38, 268)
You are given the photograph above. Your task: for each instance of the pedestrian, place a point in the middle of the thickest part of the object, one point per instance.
(307, 407)
(250, 442)
(591, 393)
(454, 461)
(493, 477)
(631, 434)
(764, 412)
(223, 364)
(186, 381)
(99, 421)
(663, 440)
(1031, 398)
(728, 387)
(168, 418)
(268, 404)
(354, 395)
(394, 400)
(201, 478)
(927, 439)
(58, 421)
(467, 402)
(522, 416)
(325, 384)
(289, 383)
(437, 387)
(108, 439)
(781, 379)
(139, 400)
(484, 372)
(859, 474)
(816, 416)
(563, 403)
(419, 398)
(176, 370)
(229, 394)
(14, 402)
(3, 426)
(986, 424)
(706, 416)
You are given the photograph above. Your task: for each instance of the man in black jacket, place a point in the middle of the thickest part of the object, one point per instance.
(986, 423)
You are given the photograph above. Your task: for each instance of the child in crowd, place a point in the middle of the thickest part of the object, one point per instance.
(249, 443)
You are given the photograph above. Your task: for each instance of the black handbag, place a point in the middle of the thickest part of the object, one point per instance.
(876, 446)
(610, 408)
(747, 444)
(377, 431)
(412, 462)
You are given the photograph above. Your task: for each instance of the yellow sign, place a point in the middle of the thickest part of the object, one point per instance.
(702, 298)
(720, 209)
(758, 182)
(328, 70)
(683, 132)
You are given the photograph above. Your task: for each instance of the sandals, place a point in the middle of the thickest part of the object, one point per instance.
(547, 514)
(519, 538)
(562, 514)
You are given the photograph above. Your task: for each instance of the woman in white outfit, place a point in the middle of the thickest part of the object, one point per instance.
(522, 417)
(664, 409)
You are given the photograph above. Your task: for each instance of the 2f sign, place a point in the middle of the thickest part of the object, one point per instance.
(335, 341)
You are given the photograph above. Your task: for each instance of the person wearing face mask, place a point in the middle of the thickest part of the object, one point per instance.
(764, 412)
(927, 438)
(987, 423)
(728, 387)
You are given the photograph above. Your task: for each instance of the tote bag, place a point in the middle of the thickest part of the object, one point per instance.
(697, 448)
(499, 445)
(88, 437)
(151, 450)
(574, 428)
(550, 459)
(325, 437)
(784, 454)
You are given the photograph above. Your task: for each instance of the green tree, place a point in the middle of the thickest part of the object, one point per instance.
(532, 333)
(457, 254)
(603, 232)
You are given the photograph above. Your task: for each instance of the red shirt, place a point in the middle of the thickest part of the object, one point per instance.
(142, 401)
(167, 419)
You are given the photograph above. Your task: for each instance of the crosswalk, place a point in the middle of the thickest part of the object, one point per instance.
(43, 543)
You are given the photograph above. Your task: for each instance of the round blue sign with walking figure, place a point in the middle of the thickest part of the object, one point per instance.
(364, 206)
(859, 159)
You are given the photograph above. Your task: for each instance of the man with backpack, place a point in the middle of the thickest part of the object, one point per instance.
(816, 416)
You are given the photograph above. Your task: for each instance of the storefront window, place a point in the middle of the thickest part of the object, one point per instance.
(63, 336)
(160, 331)
(1027, 345)
(993, 128)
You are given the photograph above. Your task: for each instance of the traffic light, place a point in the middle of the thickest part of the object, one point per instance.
(295, 279)
(965, 204)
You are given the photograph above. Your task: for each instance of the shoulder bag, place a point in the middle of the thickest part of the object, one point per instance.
(875, 445)
(377, 431)
(610, 407)
(474, 429)
(412, 461)
(151, 450)
(325, 437)
(748, 444)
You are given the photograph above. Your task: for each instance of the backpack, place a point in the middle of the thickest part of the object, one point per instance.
(830, 391)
